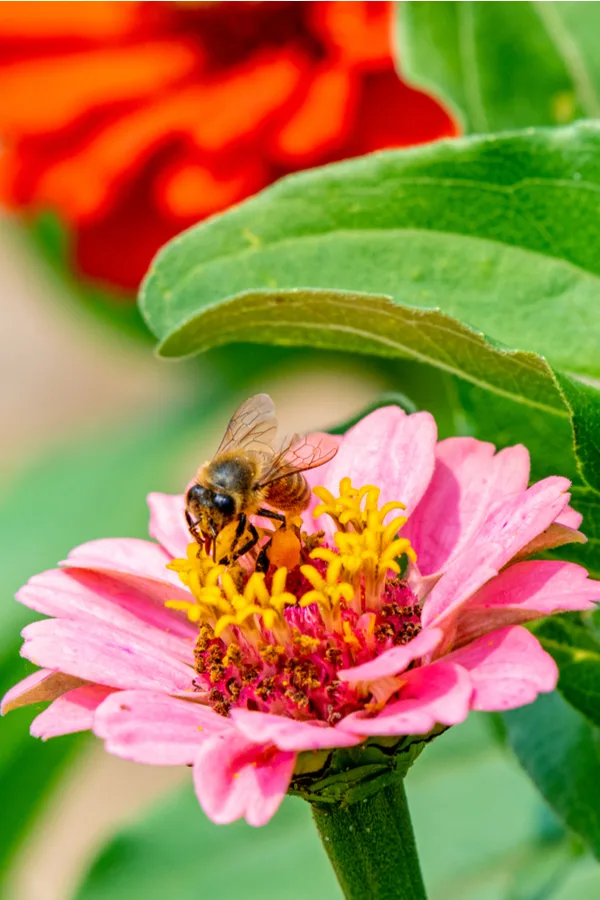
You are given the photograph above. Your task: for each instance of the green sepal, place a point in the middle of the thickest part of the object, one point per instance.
(351, 774)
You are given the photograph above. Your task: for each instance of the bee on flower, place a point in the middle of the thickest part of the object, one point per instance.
(403, 611)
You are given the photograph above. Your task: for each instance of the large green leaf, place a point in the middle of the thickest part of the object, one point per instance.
(481, 831)
(500, 232)
(504, 65)
(560, 749)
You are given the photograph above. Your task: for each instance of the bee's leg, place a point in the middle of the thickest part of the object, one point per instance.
(269, 514)
(193, 528)
(250, 543)
(262, 560)
(241, 527)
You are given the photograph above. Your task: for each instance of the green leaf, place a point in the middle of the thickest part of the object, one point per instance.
(500, 232)
(560, 749)
(503, 65)
(577, 653)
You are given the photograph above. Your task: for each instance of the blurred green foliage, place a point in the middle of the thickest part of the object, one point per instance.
(503, 65)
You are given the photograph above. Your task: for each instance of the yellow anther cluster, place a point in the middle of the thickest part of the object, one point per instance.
(217, 600)
(354, 506)
(366, 549)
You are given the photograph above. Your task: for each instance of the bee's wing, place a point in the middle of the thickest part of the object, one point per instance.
(253, 426)
(299, 453)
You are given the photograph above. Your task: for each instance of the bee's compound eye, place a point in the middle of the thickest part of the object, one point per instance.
(224, 503)
(196, 494)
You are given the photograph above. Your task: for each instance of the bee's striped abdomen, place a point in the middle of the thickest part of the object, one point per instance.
(290, 494)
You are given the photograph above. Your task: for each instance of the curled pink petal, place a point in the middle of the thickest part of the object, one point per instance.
(70, 713)
(86, 595)
(289, 734)
(167, 522)
(437, 694)
(469, 476)
(508, 668)
(394, 661)
(526, 591)
(151, 727)
(236, 778)
(122, 557)
(39, 687)
(97, 652)
(390, 449)
(570, 517)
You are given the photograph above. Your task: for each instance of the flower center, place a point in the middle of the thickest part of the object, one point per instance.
(274, 641)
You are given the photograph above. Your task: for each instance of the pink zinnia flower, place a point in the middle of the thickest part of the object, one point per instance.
(388, 625)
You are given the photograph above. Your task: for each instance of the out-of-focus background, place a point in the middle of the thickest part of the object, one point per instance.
(120, 125)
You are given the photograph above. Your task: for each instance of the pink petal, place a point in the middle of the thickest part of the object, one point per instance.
(508, 668)
(390, 449)
(570, 517)
(525, 591)
(468, 478)
(151, 727)
(234, 778)
(465, 575)
(103, 654)
(70, 713)
(39, 687)
(289, 734)
(430, 695)
(85, 595)
(394, 661)
(123, 557)
(167, 522)
(515, 521)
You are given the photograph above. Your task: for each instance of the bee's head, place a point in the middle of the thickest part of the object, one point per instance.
(212, 510)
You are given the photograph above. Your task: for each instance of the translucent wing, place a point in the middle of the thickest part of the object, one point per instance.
(253, 426)
(299, 453)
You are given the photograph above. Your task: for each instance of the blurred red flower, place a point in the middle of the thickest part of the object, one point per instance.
(134, 120)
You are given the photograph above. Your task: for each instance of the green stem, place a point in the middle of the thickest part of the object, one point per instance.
(372, 847)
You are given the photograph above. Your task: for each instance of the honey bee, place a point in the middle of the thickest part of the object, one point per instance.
(251, 474)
